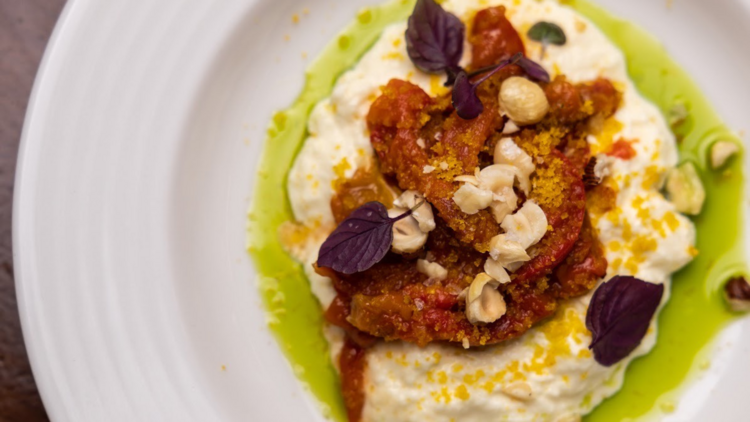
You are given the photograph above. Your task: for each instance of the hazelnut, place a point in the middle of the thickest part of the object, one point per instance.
(407, 236)
(495, 269)
(523, 101)
(508, 253)
(518, 391)
(507, 152)
(484, 304)
(685, 189)
(423, 214)
(433, 270)
(527, 226)
(470, 199)
(721, 151)
(737, 294)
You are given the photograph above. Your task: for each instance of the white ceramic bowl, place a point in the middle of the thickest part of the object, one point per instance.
(137, 299)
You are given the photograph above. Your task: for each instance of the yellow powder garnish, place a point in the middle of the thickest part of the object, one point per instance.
(340, 171)
(672, 222)
(295, 18)
(457, 367)
(442, 377)
(393, 55)
(627, 231)
(651, 177)
(580, 25)
(472, 379)
(462, 393)
(616, 264)
(588, 107)
(692, 251)
(614, 246)
(489, 387)
(546, 183)
(605, 138)
(397, 42)
(436, 86)
(447, 167)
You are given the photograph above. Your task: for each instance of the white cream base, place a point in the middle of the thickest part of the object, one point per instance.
(445, 383)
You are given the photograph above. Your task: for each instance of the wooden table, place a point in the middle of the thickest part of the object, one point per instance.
(25, 26)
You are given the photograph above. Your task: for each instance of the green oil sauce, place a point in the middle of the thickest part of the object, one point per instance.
(687, 325)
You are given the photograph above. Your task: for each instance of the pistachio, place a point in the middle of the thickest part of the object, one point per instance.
(527, 226)
(518, 390)
(507, 152)
(423, 214)
(484, 304)
(470, 199)
(721, 151)
(737, 294)
(685, 189)
(433, 270)
(523, 101)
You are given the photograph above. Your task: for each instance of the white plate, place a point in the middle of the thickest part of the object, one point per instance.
(137, 162)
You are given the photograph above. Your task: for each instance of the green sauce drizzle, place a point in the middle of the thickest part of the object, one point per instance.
(695, 313)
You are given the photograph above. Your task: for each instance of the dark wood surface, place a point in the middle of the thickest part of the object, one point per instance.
(25, 27)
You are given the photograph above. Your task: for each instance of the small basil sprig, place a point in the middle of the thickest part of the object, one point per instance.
(361, 240)
(465, 99)
(434, 41)
(619, 315)
(547, 33)
(434, 38)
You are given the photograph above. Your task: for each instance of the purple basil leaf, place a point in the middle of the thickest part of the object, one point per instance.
(360, 241)
(533, 70)
(465, 99)
(619, 315)
(434, 38)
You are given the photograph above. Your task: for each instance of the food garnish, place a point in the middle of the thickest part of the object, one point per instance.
(685, 189)
(484, 303)
(523, 101)
(434, 38)
(721, 152)
(619, 315)
(737, 294)
(547, 33)
(465, 99)
(434, 42)
(361, 240)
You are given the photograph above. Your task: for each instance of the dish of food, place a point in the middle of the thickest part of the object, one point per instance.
(147, 152)
(458, 211)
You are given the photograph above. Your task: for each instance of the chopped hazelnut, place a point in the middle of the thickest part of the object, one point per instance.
(527, 226)
(470, 199)
(484, 304)
(737, 294)
(433, 270)
(507, 152)
(423, 214)
(518, 390)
